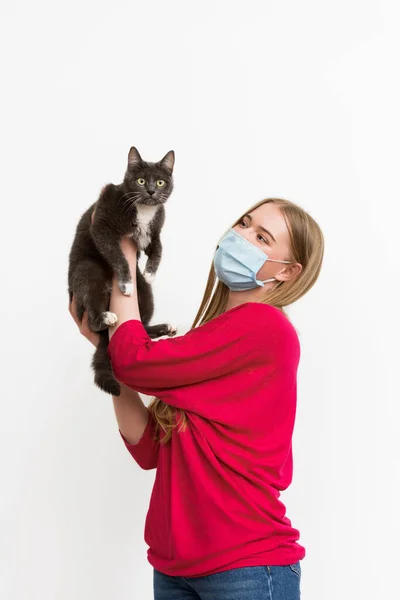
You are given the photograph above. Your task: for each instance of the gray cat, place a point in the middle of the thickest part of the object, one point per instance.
(136, 208)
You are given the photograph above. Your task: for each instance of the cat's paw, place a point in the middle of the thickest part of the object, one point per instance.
(126, 288)
(172, 330)
(149, 277)
(109, 318)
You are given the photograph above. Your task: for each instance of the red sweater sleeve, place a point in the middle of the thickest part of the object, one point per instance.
(243, 336)
(145, 452)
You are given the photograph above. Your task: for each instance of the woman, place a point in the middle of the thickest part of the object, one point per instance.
(219, 430)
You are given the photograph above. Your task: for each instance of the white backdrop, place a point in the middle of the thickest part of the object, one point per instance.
(292, 99)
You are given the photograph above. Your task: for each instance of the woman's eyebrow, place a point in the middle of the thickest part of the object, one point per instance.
(263, 228)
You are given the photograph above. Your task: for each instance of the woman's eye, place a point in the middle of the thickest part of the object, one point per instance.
(243, 222)
(160, 182)
(141, 181)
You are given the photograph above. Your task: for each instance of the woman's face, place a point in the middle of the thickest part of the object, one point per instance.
(265, 227)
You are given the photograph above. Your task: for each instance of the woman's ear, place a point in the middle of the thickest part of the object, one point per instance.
(290, 272)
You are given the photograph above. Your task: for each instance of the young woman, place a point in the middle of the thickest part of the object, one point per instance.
(219, 430)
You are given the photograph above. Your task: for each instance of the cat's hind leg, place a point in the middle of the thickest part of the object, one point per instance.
(92, 287)
(146, 309)
(104, 376)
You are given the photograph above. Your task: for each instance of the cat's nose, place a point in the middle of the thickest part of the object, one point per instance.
(151, 192)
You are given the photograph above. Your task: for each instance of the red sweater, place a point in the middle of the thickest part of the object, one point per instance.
(215, 502)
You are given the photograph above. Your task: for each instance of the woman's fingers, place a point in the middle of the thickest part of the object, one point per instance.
(73, 312)
(85, 319)
(83, 326)
(72, 308)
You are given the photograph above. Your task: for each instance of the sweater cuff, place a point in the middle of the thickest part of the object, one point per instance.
(147, 436)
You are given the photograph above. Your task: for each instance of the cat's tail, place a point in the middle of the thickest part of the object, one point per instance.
(101, 365)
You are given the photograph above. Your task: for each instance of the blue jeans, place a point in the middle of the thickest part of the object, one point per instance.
(245, 583)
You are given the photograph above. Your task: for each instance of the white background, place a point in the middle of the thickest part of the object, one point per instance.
(292, 99)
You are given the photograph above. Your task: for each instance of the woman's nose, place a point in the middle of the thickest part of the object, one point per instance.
(247, 234)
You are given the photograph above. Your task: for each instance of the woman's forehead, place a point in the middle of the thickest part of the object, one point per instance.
(269, 216)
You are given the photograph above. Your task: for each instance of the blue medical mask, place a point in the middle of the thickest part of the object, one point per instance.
(237, 262)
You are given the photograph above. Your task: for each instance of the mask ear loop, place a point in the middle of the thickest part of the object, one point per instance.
(279, 261)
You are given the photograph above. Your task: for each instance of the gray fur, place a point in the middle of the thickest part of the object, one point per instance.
(125, 209)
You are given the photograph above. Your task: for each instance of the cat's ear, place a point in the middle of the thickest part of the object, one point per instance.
(134, 157)
(167, 163)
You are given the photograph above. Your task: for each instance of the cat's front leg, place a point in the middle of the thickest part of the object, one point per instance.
(154, 253)
(111, 251)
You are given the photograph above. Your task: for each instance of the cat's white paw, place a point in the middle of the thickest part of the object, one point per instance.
(172, 330)
(109, 318)
(126, 288)
(149, 277)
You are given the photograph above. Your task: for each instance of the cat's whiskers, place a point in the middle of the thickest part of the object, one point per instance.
(130, 195)
(130, 202)
(127, 194)
(133, 195)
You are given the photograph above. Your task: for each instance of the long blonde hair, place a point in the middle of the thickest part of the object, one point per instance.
(306, 248)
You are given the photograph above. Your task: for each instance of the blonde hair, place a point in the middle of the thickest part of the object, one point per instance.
(306, 248)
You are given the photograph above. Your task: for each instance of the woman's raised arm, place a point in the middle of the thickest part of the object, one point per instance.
(133, 418)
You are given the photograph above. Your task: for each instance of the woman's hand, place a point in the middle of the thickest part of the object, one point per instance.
(129, 250)
(94, 338)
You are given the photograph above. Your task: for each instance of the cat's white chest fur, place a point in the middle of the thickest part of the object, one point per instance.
(145, 214)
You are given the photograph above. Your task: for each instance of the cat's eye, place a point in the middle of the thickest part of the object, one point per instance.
(141, 181)
(160, 182)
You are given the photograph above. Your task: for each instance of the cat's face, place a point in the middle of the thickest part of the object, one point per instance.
(149, 183)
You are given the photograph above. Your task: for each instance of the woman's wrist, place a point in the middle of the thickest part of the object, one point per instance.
(129, 250)
(125, 307)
